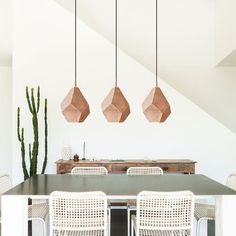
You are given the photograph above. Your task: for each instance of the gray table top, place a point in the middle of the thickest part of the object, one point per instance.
(120, 184)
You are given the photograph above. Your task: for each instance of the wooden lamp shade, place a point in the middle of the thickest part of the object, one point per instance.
(156, 107)
(74, 106)
(115, 106)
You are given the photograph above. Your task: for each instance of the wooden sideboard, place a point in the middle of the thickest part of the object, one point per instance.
(120, 166)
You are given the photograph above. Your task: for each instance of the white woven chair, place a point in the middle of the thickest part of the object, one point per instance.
(164, 214)
(131, 204)
(207, 211)
(152, 170)
(35, 211)
(97, 170)
(78, 214)
(89, 170)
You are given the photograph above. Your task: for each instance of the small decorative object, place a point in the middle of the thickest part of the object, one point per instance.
(66, 153)
(156, 107)
(76, 157)
(115, 106)
(74, 106)
(34, 105)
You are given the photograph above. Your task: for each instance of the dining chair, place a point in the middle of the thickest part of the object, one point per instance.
(131, 204)
(99, 170)
(164, 214)
(78, 213)
(152, 170)
(36, 212)
(207, 211)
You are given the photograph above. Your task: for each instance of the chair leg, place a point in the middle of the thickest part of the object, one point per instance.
(128, 220)
(109, 219)
(132, 228)
(196, 230)
(44, 228)
(198, 226)
(43, 223)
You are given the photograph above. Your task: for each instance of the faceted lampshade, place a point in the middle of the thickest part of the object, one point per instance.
(74, 107)
(155, 107)
(115, 107)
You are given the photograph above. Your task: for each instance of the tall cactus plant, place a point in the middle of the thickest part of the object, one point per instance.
(34, 106)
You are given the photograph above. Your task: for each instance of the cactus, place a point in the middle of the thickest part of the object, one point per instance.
(45, 135)
(21, 140)
(34, 107)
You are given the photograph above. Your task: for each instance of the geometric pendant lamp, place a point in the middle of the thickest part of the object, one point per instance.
(115, 106)
(156, 107)
(74, 106)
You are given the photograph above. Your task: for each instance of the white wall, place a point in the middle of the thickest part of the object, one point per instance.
(44, 55)
(5, 120)
(5, 32)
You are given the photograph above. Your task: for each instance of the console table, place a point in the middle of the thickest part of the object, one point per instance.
(120, 166)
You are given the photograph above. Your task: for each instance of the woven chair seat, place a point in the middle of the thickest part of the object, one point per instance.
(39, 210)
(36, 211)
(165, 233)
(78, 233)
(205, 211)
(161, 232)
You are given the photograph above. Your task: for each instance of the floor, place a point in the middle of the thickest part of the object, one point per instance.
(211, 228)
(119, 222)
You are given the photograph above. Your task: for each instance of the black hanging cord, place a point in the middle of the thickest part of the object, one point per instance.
(115, 43)
(156, 43)
(75, 43)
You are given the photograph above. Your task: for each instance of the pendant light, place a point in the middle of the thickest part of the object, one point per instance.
(156, 107)
(115, 106)
(74, 106)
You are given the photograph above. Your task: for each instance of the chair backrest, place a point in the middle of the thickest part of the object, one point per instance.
(231, 181)
(165, 211)
(5, 183)
(89, 170)
(144, 171)
(78, 212)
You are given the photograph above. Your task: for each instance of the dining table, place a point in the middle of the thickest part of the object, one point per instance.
(118, 187)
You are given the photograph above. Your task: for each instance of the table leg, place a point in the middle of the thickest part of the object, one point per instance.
(225, 215)
(14, 215)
